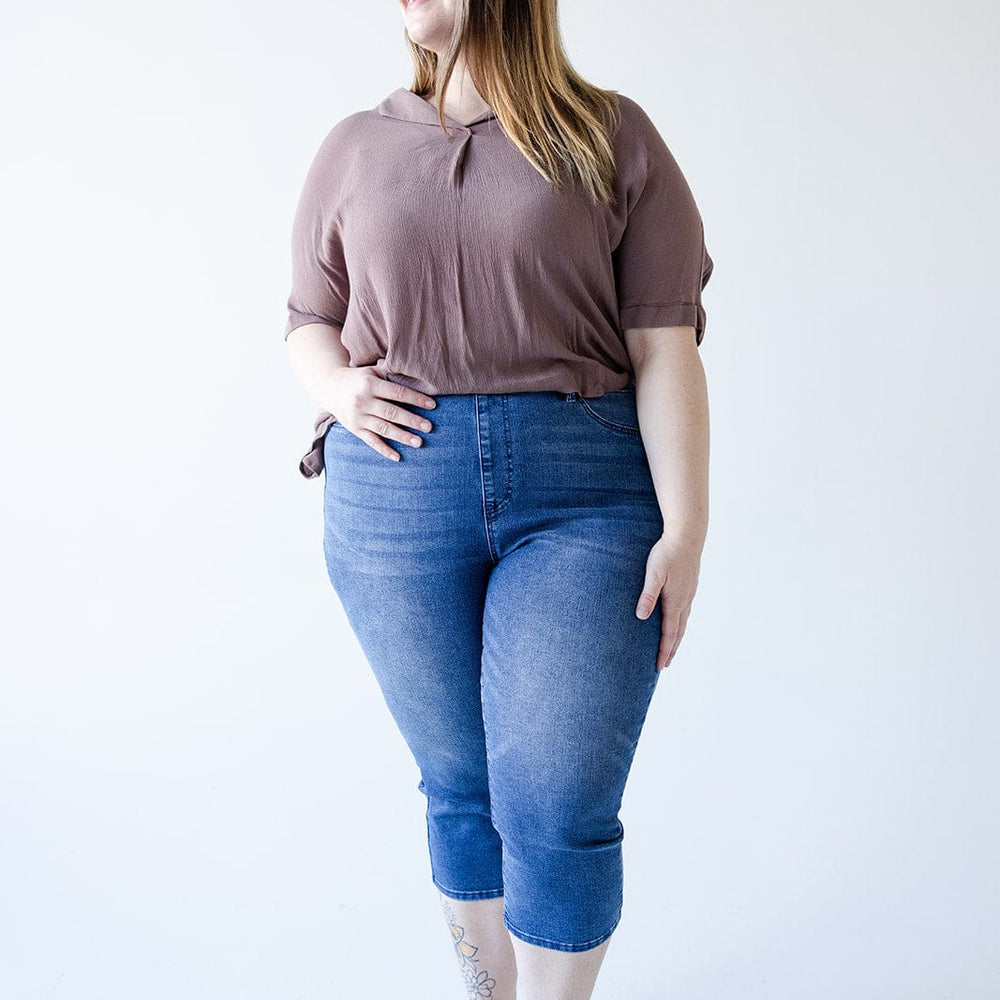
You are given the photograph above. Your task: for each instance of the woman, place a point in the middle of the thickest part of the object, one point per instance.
(509, 260)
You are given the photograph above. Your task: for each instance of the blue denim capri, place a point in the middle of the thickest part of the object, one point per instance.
(491, 577)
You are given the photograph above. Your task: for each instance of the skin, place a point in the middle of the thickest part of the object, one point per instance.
(672, 403)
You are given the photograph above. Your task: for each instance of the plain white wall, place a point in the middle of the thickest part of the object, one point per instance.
(202, 795)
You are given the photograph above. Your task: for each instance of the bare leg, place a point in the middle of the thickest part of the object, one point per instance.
(547, 974)
(482, 945)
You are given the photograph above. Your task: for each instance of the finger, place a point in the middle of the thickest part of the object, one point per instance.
(386, 429)
(400, 415)
(682, 626)
(670, 632)
(384, 389)
(378, 444)
(663, 653)
(663, 650)
(651, 588)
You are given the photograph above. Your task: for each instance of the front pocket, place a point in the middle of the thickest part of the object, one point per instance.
(615, 410)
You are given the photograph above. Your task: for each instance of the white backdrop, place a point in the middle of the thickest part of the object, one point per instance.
(202, 794)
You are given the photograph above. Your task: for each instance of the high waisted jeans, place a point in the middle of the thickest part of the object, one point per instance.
(491, 578)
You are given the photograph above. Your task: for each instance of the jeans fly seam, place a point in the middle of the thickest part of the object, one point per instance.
(482, 481)
(508, 457)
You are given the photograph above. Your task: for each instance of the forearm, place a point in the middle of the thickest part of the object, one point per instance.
(314, 350)
(672, 402)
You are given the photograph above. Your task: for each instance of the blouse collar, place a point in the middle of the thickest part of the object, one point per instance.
(407, 106)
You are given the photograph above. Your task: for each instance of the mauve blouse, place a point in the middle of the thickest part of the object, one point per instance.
(452, 265)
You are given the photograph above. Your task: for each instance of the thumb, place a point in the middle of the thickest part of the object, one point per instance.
(651, 588)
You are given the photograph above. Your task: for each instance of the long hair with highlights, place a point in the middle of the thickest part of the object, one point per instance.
(515, 56)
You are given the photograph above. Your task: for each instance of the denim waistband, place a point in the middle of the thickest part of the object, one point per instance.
(628, 387)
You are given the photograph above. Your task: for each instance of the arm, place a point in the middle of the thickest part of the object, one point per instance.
(314, 351)
(672, 400)
(672, 403)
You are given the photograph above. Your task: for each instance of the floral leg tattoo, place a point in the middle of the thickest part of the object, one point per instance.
(478, 983)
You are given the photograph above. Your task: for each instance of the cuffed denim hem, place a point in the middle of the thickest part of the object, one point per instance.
(470, 894)
(562, 945)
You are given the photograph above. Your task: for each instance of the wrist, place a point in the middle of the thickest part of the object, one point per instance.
(685, 533)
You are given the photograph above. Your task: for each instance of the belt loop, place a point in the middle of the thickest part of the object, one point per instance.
(571, 397)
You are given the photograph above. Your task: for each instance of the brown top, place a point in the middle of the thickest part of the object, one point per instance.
(452, 265)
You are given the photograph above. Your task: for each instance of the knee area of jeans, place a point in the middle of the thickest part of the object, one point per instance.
(474, 794)
(523, 839)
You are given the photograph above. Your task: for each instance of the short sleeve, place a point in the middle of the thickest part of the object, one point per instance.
(661, 263)
(320, 287)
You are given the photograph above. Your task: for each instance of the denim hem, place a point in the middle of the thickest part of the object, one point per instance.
(562, 945)
(469, 894)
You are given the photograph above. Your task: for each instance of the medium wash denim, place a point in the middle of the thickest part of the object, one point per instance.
(491, 577)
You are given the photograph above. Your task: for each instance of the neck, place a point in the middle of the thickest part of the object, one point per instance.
(461, 99)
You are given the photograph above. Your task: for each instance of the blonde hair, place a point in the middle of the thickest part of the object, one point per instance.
(515, 56)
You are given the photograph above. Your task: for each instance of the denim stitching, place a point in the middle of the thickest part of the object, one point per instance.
(563, 945)
(505, 499)
(466, 893)
(623, 428)
(482, 489)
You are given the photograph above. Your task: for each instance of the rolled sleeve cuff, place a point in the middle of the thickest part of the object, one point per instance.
(297, 319)
(665, 314)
